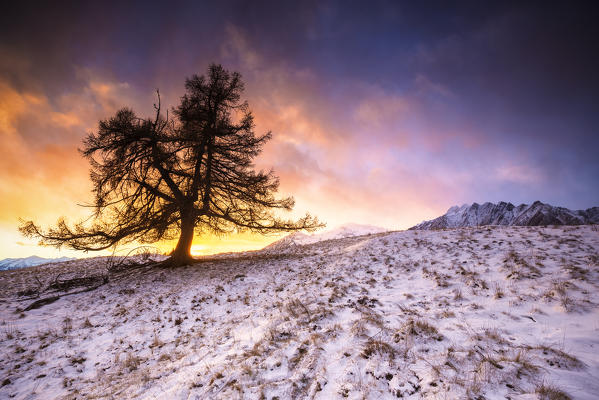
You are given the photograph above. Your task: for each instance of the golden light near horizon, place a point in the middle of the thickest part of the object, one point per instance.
(14, 246)
(210, 244)
(198, 249)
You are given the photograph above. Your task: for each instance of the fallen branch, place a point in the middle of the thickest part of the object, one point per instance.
(49, 300)
(116, 272)
(41, 302)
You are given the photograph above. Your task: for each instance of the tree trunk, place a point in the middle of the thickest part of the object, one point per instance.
(182, 253)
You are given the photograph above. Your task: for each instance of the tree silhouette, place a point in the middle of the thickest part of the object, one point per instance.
(160, 177)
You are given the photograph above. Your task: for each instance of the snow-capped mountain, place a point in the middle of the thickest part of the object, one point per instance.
(343, 231)
(14, 263)
(504, 213)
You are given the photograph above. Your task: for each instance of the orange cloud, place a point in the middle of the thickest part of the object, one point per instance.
(65, 120)
(42, 174)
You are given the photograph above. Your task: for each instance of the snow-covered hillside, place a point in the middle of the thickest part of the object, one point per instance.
(13, 263)
(507, 214)
(492, 312)
(343, 231)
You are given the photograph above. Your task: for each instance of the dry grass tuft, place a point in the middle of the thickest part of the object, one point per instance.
(550, 392)
(378, 347)
(132, 362)
(558, 358)
(499, 292)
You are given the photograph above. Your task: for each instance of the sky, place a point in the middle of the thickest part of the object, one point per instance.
(382, 112)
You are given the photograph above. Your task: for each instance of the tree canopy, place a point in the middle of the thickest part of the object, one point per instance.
(188, 173)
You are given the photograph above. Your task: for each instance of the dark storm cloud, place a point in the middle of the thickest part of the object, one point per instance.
(510, 51)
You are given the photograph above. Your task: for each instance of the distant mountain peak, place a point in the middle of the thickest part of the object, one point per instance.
(31, 261)
(505, 213)
(340, 232)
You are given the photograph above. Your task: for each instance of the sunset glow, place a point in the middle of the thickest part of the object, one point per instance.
(385, 115)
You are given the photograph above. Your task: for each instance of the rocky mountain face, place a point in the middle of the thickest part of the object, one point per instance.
(503, 213)
(14, 263)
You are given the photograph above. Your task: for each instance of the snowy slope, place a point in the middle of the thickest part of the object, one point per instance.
(494, 313)
(504, 213)
(343, 231)
(13, 263)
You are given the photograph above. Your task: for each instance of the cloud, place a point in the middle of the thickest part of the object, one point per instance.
(377, 109)
(522, 174)
(40, 137)
(336, 152)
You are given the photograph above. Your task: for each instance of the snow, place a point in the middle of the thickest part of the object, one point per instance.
(14, 263)
(340, 232)
(507, 214)
(494, 312)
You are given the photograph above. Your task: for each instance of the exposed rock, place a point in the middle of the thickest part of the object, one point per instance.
(504, 213)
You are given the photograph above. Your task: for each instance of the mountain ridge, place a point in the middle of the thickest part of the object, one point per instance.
(507, 214)
(31, 261)
(340, 232)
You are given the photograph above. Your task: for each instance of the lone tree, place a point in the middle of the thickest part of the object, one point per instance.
(160, 177)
